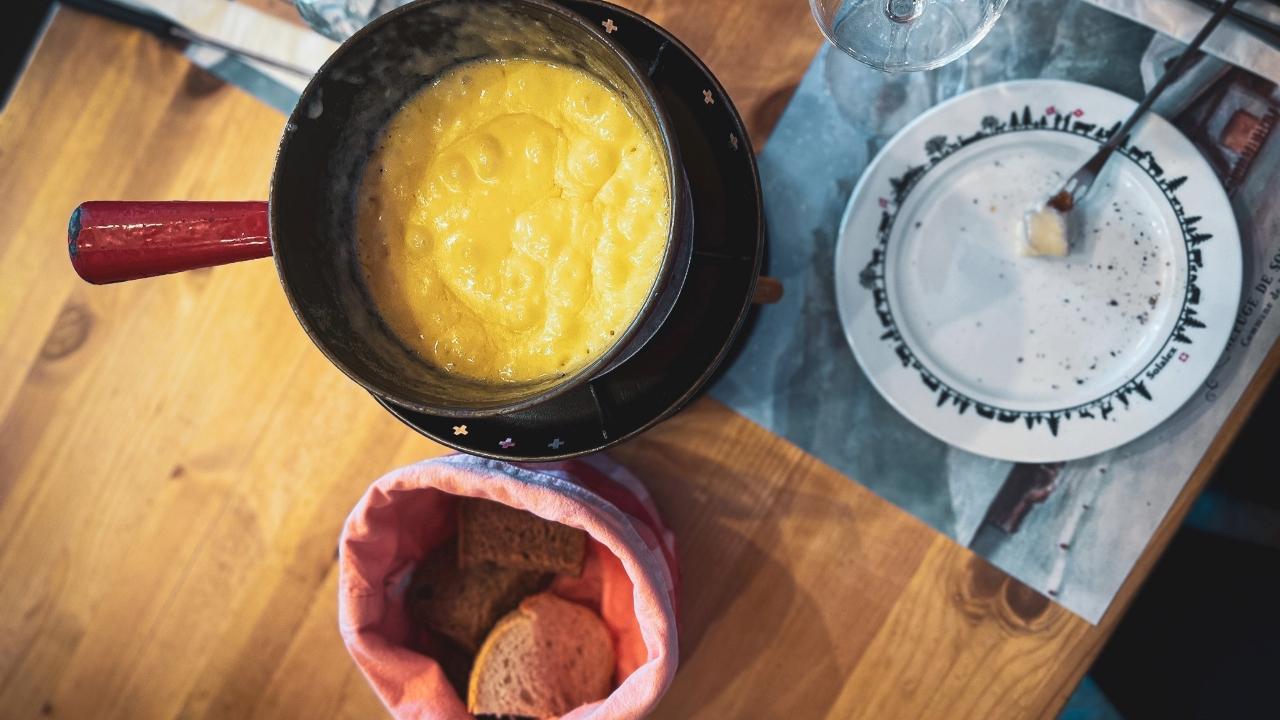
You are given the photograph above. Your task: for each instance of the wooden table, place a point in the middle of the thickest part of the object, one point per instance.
(176, 458)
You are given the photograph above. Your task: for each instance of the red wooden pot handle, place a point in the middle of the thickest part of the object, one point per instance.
(114, 241)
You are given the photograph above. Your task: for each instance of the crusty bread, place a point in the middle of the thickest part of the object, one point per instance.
(546, 658)
(463, 603)
(518, 539)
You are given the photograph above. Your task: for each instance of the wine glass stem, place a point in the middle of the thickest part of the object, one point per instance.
(903, 11)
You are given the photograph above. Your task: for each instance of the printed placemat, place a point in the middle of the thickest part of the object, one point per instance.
(1073, 530)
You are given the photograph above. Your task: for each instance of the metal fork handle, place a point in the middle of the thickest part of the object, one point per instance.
(1079, 184)
(1180, 66)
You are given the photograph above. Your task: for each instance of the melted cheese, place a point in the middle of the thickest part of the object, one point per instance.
(512, 222)
(1046, 233)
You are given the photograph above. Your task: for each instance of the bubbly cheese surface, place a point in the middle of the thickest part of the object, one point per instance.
(513, 219)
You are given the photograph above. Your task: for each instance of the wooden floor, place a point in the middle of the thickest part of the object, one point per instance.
(176, 458)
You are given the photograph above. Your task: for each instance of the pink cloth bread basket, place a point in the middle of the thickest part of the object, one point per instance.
(630, 575)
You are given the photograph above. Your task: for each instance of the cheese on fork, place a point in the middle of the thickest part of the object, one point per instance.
(1045, 233)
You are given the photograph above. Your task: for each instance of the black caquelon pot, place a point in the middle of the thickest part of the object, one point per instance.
(308, 225)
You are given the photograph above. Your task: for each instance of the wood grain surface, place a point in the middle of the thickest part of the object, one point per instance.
(176, 459)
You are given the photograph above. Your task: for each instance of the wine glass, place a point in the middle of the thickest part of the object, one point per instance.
(906, 35)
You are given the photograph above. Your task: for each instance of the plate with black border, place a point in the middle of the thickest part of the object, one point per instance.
(728, 248)
(1036, 359)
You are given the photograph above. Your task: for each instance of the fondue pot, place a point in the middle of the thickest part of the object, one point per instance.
(308, 225)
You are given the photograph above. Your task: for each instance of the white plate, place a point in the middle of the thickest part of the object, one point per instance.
(1036, 359)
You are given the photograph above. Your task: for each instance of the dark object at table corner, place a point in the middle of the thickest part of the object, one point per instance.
(18, 36)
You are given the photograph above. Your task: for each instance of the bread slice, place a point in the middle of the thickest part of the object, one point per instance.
(462, 604)
(511, 538)
(546, 658)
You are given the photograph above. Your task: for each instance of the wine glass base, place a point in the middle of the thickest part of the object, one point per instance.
(906, 36)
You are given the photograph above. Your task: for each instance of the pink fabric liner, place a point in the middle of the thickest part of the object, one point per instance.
(630, 576)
